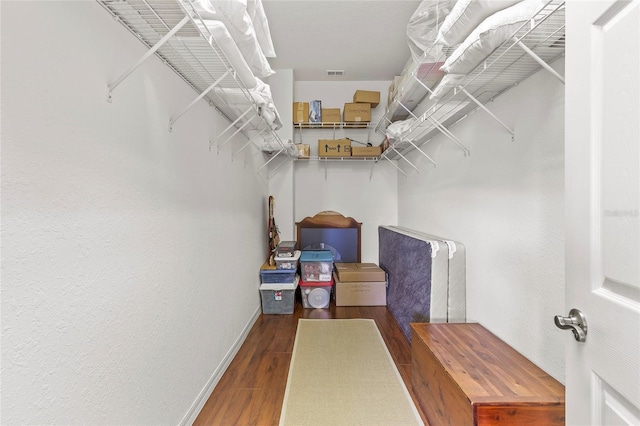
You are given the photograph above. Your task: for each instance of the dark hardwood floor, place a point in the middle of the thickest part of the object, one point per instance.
(252, 389)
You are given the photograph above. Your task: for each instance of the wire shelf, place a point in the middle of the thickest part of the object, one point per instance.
(538, 42)
(193, 53)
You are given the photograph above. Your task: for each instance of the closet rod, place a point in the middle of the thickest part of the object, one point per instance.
(112, 86)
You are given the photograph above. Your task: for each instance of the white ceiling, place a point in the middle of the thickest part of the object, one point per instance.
(365, 38)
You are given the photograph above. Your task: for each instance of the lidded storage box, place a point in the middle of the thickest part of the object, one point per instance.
(271, 275)
(316, 294)
(278, 298)
(288, 262)
(316, 265)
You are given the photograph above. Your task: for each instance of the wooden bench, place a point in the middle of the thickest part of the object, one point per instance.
(464, 375)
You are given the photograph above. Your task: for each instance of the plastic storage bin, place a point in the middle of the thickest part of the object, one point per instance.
(278, 298)
(316, 294)
(272, 275)
(288, 262)
(316, 265)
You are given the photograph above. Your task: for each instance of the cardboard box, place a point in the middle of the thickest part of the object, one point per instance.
(360, 272)
(331, 115)
(360, 293)
(300, 112)
(334, 148)
(303, 150)
(366, 151)
(367, 96)
(357, 112)
(315, 112)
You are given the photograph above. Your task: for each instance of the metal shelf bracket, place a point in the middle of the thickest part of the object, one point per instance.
(112, 86)
(200, 96)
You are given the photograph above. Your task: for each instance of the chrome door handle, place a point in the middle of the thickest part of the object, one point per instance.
(576, 322)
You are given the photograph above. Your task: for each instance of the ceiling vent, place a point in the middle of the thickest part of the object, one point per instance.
(335, 73)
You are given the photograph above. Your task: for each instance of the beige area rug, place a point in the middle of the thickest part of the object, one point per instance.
(342, 373)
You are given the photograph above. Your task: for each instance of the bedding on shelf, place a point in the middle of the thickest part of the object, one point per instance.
(491, 33)
(480, 49)
(235, 17)
(236, 101)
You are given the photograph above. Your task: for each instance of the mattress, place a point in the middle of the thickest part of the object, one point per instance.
(457, 273)
(417, 268)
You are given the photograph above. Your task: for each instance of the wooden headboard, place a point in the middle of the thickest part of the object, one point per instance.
(330, 220)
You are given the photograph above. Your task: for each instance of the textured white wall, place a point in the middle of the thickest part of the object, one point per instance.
(365, 191)
(129, 254)
(505, 203)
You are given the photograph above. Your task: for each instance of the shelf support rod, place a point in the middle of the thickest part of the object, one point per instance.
(270, 160)
(405, 159)
(231, 126)
(423, 85)
(440, 127)
(394, 165)
(448, 134)
(485, 109)
(246, 144)
(371, 170)
(275, 171)
(538, 59)
(112, 86)
(422, 152)
(200, 96)
(238, 130)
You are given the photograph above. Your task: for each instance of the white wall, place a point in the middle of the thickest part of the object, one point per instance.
(505, 203)
(365, 191)
(281, 168)
(129, 254)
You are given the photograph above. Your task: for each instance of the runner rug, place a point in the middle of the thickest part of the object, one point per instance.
(342, 373)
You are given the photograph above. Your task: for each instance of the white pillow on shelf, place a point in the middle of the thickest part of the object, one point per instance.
(261, 25)
(465, 17)
(423, 28)
(448, 82)
(233, 14)
(489, 35)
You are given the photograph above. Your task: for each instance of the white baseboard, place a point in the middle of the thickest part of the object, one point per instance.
(204, 395)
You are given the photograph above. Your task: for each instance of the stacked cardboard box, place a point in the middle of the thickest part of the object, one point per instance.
(360, 284)
(367, 96)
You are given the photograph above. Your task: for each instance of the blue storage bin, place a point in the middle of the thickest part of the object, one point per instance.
(271, 275)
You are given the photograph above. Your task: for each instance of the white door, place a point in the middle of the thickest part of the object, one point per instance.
(602, 210)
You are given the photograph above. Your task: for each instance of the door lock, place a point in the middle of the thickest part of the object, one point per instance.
(576, 322)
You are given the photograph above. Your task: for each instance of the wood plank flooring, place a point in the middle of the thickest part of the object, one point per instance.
(252, 389)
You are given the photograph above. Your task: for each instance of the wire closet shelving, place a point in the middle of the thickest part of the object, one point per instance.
(532, 47)
(175, 32)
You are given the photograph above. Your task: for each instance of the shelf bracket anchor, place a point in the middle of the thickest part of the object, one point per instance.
(539, 60)
(112, 86)
(200, 96)
(485, 109)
